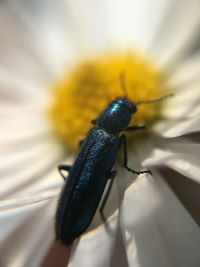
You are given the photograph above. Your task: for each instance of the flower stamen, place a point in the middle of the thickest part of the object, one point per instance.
(84, 92)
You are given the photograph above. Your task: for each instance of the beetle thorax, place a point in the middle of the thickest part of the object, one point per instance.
(117, 116)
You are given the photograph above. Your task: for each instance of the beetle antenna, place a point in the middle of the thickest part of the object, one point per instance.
(154, 100)
(122, 83)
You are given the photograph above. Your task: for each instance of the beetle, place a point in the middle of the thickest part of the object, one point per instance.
(93, 169)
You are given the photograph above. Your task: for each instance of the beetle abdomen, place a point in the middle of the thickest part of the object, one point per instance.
(82, 193)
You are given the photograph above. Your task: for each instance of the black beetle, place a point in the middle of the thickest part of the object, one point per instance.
(92, 169)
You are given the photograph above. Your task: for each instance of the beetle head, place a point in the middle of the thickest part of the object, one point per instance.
(117, 115)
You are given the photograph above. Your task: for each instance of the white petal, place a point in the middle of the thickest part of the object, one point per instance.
(185, 158)
(23, 202)
(12, 82)
(174, 128)
(31, 228)
(29, 171)
(158, 231)
(177, 32)
(12, 158)
(22, 209)
(134, 23)
(186, 73)
(18, 94)
(184, 166)
(35, 36)
(24, 130)
(89, 19)
(179, 154)
(15, 53)
(185, 101)
(95, 248)
(154, 156)
(23, 120)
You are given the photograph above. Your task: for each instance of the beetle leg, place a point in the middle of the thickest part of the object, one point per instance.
(81, 142)
(111, 178)
(123, 141)
(64, 167)
(94, 121)
(135, 127)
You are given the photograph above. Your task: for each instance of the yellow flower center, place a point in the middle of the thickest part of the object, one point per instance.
(85, 92)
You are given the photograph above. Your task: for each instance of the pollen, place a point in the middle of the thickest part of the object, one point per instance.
(84, 91)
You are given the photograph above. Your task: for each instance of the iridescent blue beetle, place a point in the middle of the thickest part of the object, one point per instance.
(93, 168)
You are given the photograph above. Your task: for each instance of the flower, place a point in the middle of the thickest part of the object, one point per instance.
(38, 41)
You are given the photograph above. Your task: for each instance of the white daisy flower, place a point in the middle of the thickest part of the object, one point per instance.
(60, 63)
